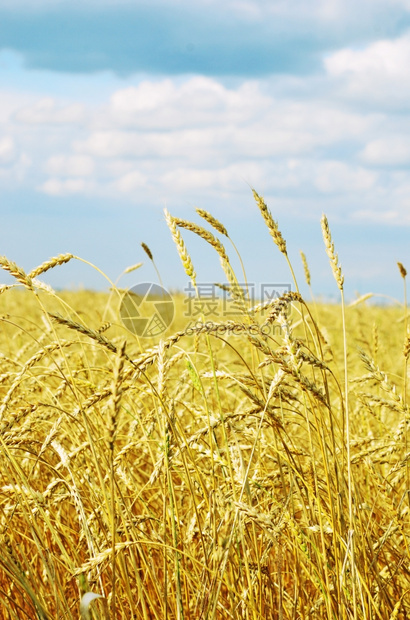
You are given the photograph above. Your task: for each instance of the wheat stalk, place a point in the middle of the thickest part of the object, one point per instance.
(205, 234)
(330, 251)
(16, 271)
(147, 251)
(220, 465)
(305, 267)
(212, 221)
(270, 223)
(50, 264)
(132, 268)
(235, 290)
(182, 251)
(402, 269)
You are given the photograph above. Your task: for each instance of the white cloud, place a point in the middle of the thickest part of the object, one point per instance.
(404, 3)
(70, 166)
(392, 151)
(201, 120)
(14, 163)
(47, 111)
(186, 179)
(7, 150)
(10, 101)
(386, 58)
(194, 143)
(197, 101)
(232, 178)
(131, 182)
(389, 216)
(248, 8)
(326, 10)
(59, 187)
(156, 140)
(338, 177)
(144, 98)
(378, 74)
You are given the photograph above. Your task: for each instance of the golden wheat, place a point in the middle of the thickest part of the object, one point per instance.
(50, 264)
(207, 473)
(270, 222)
(16, 271)
(147, 251)
(305, 267)
(212, 221)
(182, 251)
(330, 251)
(403, 271)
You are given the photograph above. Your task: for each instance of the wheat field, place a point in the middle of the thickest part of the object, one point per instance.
(256, 467)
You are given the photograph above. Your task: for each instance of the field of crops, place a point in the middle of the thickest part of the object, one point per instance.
(252, 467)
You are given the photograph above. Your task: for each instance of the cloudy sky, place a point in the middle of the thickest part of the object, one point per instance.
(111, 111)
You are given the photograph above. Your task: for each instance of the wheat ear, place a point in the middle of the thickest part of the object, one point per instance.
(147, 250)
(182, 251)
(49, 264)
(270, 223)
(305, 267)
(330, 251)
(212, 221)
(16, 271)
(205, 234)
(235, 290)
(402, 269)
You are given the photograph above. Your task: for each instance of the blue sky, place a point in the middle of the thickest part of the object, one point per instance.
(110, 112)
